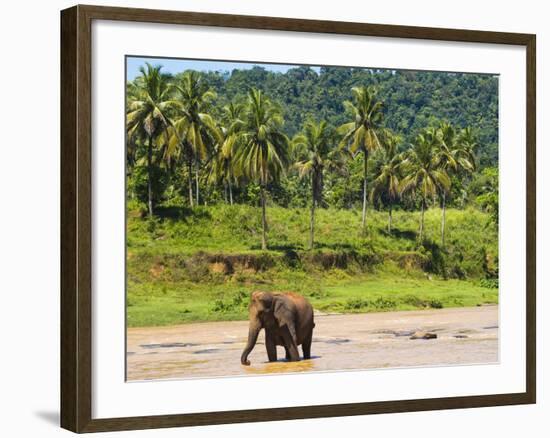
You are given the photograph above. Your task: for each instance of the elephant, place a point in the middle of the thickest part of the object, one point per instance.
(288, 321)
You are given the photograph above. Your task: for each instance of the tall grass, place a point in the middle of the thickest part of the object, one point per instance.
(471, 245)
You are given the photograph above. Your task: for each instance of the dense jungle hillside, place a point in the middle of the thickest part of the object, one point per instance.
(412, 99)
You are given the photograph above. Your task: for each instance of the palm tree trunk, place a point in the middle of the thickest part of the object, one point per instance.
(150, 177)
(264, 220)
(389, 221)
(364, 217)
(443, 221)
(230, 193)
(190, 181)
(312, 219)
(225, 192)
(421, 231)
(197, 181)
(347, 195)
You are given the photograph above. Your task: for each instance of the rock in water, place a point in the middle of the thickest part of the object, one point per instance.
(423, 335)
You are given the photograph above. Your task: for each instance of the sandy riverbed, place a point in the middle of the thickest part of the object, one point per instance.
(340, 342)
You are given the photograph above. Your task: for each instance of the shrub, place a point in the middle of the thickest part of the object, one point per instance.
(384, 303)
(356, 304)
(435, 304)
(489, 283)
(237, 302)
(413, 300)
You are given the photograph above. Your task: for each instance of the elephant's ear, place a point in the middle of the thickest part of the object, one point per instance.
(265, 298)
(281, 311)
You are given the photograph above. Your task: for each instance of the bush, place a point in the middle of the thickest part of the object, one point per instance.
(238, 302)
(356, 304)
(435, 304)
(138, 182)
(413, 300)
(384, 303)
(489, 283)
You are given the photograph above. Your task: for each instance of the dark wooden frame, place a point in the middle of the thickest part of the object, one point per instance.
(76, 174)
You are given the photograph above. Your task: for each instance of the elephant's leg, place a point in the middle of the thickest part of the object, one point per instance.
(306, 345)
(291, 343)
(270, 347)
(287, 353)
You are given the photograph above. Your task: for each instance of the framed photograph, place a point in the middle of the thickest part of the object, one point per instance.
(270, 218)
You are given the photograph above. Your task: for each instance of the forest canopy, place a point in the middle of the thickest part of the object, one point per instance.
(411, 101)
(313, 137)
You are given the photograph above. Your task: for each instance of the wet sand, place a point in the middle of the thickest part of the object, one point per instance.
(340, 342)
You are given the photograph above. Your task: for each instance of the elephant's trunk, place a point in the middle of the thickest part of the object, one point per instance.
(253, 331)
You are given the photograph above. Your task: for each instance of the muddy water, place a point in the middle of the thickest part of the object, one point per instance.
(341, 342)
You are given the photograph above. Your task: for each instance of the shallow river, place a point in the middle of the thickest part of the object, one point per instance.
(340, 342)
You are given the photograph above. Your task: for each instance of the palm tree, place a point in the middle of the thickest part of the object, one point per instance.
(147, 115)
(361, 134)
(386, 182)
(222, 165)
(455, 154)
(313, 148)
(263, 151)
(468, 143)
(422, 172)
(194, 130)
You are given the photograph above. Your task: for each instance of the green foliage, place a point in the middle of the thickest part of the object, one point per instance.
(489, 283)
(210, 154)
(237, 302)
(381, 304)
(411, 101)
(162, 303)
(138, 184)
(411, 98)
(201, 264)
(234, 229)
(488, 198)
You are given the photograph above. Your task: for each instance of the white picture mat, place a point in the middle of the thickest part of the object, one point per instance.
(113, 397)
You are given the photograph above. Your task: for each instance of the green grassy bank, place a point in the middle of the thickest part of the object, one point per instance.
(201, 265)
